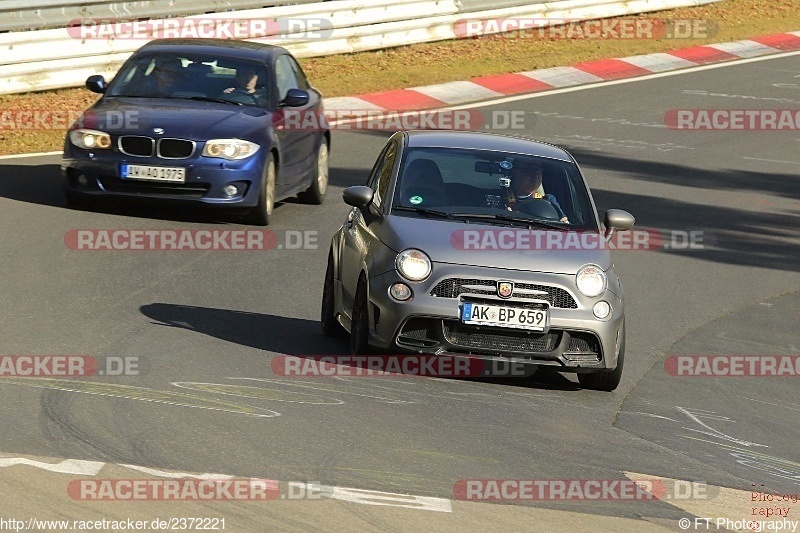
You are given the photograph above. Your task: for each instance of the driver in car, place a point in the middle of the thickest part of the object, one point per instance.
(246, 88)
(526, 183)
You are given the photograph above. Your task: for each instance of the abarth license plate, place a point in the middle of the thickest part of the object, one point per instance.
(502, 316)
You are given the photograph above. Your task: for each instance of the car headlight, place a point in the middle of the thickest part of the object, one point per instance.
(413, 264)
(229, 148)
(90, 139)
(591, 280)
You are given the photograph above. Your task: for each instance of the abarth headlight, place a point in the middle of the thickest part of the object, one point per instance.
(414, 265)
(90, 139)
(229, 148)
(591, 280)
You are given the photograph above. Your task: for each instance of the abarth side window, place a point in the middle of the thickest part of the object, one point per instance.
(376, 168)
(382, 174)
(385, 175)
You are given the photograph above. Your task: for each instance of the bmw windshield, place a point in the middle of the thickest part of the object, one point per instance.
(228, 80)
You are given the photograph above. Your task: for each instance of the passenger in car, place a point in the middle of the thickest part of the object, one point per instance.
(164, 77)
(526, 182)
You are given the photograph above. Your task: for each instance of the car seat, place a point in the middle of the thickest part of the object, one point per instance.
(422, 185)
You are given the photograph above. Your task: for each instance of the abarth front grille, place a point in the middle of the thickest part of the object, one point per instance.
(455, 287)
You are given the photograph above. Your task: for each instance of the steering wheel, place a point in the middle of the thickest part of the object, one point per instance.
(239, 94)
(538, 207)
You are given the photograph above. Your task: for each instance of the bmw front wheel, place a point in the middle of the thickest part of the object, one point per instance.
(315, 193)
(261, 215)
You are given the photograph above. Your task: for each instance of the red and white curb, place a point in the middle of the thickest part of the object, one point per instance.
(489, 87)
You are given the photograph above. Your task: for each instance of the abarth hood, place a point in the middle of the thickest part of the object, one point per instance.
(495, 246)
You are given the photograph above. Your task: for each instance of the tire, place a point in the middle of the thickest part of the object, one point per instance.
(261, 215)
(315, 194)
(606, 380)
(359, 326)
(330, 326)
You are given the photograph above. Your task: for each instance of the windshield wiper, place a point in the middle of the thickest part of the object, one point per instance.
(207, 99)
(483, 216)
(424, 211)
(533, 222)
(511, 218)
(169, 97)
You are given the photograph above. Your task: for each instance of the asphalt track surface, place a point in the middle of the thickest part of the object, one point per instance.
(206, 326)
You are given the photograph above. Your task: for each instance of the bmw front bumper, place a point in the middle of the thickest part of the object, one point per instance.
(99, 174)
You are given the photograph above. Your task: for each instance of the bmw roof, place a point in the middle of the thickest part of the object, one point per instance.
(227, 47)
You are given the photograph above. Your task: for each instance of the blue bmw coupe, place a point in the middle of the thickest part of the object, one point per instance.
(200, 121)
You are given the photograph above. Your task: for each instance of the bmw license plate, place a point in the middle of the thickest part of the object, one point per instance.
(143, 172)
(506, 317)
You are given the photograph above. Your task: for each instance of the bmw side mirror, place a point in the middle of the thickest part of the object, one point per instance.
(296, 98)
(96, 84)
(617, 219)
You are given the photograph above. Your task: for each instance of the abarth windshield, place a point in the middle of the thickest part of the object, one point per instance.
(482, 185)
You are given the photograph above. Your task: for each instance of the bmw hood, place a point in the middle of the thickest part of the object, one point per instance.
(187, 119)
(496, 246)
